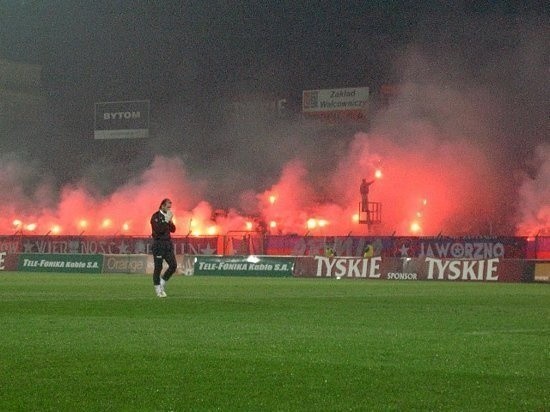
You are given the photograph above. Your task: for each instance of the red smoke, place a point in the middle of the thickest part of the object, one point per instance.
(534, 210)
(426, 186)
(126, 211)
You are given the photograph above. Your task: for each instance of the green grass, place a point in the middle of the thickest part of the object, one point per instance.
(105, 343)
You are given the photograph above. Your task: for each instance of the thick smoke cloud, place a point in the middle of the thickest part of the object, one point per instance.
(467, 122)
(534, 196)
(78, 210)
(461, 147)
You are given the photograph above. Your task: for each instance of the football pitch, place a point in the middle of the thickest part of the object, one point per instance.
(106, 343)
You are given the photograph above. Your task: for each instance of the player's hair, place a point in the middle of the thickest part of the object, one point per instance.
(164, 201)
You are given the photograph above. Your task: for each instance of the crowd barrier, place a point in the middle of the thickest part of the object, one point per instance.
(376, 267)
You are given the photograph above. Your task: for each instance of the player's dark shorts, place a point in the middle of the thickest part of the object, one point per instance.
(163, 248)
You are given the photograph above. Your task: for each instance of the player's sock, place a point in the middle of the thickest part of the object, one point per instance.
(160, 293)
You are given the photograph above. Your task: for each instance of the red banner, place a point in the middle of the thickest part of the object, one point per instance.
(490, 270)
(443, 248)
(104, 245)
(256, 244)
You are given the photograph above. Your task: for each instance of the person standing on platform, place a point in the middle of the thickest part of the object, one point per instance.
(364, 189)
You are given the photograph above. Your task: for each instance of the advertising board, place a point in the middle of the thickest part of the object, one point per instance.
(243, 266)
(121, 120)
(427, 268)
(34, 262)
(125, 264)
(329, 100)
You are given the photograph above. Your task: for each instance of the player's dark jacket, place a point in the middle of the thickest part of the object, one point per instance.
(161, 228)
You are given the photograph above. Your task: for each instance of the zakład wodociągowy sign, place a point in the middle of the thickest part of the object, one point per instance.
(122, 120)
(328, 100)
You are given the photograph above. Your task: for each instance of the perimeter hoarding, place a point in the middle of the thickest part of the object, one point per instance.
(8, 262)
(125, 264)
(122, 120)
(542, 271)
(489, 270)
(243, 266)
(35, 262)
(330, 100)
